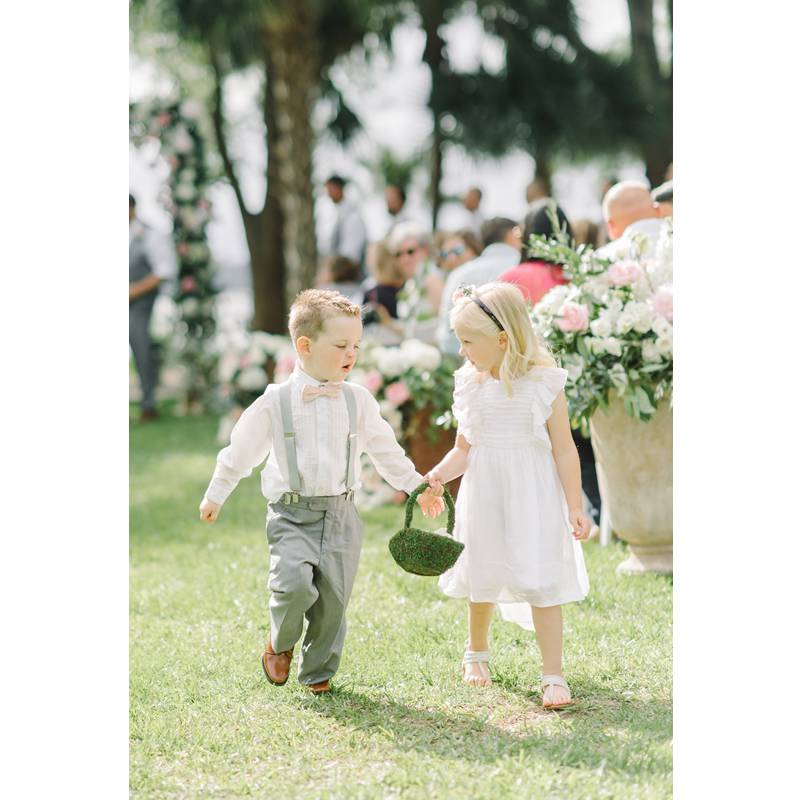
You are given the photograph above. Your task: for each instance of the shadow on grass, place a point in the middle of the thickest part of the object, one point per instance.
(599, 738)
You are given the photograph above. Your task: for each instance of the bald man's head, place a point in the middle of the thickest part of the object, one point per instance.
(627, 202)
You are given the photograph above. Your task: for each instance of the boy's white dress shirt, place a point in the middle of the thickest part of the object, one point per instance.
(321, 428)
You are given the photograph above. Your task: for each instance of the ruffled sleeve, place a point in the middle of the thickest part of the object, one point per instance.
(548, 382)
(465, 402)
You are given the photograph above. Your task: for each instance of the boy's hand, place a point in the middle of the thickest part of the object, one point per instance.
(209, 510)
(430, 504)
(435, 483)
(581, 524)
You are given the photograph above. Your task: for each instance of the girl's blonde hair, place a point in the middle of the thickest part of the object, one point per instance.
(525, 349)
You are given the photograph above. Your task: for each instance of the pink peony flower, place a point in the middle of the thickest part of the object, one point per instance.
(163, 119)
(574, 317)
(188, 284)
(373, 381)
(623, 273)
(397, 393)
(662, 303)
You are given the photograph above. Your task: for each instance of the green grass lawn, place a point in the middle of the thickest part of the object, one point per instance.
(205, 722)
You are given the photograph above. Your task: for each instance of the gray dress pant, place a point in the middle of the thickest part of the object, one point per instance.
(315, 545)
(144, 354)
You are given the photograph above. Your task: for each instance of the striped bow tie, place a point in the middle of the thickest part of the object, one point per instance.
(326, 390)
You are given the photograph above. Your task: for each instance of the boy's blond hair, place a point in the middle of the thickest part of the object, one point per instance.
(525, 349)
(312, 307)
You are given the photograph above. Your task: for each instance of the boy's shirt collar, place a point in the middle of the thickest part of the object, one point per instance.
(304, 379)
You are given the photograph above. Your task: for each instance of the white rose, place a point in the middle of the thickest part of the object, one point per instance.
(662, 327)
(420, 355)
(613, 346)
(391, 361)
(650, 351)
(551, 303)
(252, 379)
(641, 289)
(601, 326)
(635, 316)
(595, 288)
(664, 345)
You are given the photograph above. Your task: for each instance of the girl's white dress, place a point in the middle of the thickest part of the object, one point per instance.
(511, 512)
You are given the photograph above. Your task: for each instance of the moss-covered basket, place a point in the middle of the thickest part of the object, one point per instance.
(426, 552)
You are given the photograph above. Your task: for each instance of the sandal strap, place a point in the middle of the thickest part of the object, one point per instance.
(554, 680)
(476, 657)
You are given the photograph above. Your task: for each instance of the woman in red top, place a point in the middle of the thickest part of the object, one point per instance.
(536, 277)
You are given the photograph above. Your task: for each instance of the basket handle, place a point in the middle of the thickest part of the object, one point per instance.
(448, 499)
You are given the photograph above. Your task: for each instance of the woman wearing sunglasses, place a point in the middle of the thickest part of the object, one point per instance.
(455, 249)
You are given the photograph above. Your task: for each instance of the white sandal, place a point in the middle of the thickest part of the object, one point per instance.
(475, 657)
(555, 680)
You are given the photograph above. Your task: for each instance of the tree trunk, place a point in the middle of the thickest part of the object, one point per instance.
(432, 14)
(655, 89)
(266, 249)
(544, 169)
(292, 50)
(264, 229)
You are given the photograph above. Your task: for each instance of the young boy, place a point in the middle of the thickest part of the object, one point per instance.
(314, 428)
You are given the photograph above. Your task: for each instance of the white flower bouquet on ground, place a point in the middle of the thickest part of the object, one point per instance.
(611, 326)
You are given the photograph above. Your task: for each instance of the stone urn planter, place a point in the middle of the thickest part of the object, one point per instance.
(634, 472)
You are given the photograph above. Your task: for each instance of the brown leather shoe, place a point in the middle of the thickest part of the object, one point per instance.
(319, 688)
(276, 665)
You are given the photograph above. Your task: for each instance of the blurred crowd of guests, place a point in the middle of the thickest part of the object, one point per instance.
(407, 279)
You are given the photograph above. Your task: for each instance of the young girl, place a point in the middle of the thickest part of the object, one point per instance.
(519, 509)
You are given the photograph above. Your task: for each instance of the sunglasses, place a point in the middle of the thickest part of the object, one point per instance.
(453, 251)
(408, 252)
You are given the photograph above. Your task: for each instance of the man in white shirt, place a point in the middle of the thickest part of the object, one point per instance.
(629, 212)
(503, 244)
(150, 261)
(312, 430)
(349, 236)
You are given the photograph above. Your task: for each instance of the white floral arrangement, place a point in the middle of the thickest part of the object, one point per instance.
(611, 325)
(242, 364)
(410, 376)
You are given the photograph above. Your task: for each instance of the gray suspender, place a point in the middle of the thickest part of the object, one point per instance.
(290, 441)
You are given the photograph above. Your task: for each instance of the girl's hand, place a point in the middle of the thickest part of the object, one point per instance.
(209, 510)
(433, 480)
(581, 524)
(430, 504)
